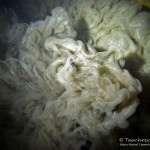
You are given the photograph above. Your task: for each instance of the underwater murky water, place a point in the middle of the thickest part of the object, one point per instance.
(73, 73)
